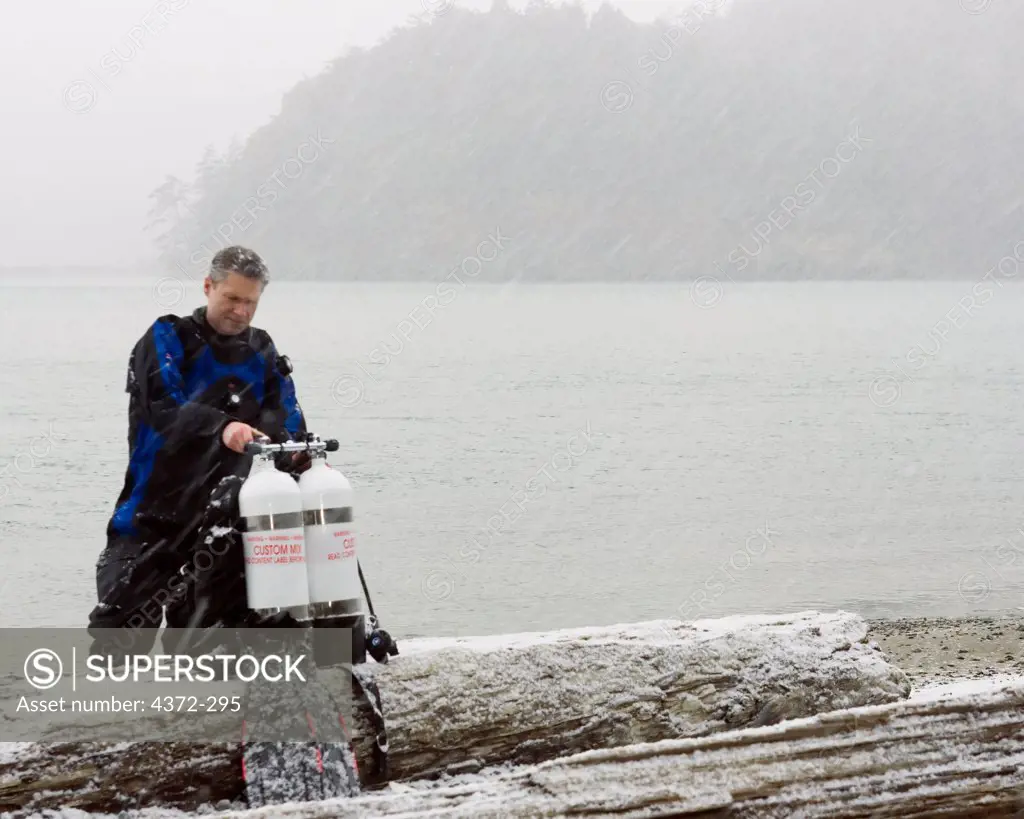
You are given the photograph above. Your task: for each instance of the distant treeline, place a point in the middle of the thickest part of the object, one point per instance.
(775, 139)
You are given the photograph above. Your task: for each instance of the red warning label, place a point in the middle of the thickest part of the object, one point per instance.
(348, 545)
(275, 549)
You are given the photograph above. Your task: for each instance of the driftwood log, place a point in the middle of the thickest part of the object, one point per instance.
(461, 705)
(961, 756)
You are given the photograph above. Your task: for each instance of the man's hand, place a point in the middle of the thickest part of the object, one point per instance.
(237, 435)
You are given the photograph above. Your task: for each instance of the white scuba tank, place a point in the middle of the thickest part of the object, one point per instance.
(333, 572)
(335, 596)
(273, 537)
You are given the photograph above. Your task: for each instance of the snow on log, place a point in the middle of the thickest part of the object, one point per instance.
(958, 755)
(530, 697)
(461, 704)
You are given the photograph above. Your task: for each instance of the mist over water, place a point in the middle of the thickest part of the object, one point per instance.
(531, 456)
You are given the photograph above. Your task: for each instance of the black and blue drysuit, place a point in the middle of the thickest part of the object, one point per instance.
(186, 383)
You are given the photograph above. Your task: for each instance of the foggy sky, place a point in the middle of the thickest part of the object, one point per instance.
(103, 99)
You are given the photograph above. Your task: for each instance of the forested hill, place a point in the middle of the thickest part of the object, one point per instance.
(769, 139)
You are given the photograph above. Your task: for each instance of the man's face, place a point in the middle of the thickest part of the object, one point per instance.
(231, 304)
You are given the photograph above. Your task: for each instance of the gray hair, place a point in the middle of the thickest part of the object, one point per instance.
(241, 260)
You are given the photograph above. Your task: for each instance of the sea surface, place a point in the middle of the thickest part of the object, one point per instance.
(529, 457)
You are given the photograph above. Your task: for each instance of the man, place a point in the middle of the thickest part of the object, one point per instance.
(201, 387)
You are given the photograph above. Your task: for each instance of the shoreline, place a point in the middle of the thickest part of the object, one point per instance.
(939, 650)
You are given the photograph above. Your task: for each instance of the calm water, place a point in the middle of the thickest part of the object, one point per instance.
(647, 441)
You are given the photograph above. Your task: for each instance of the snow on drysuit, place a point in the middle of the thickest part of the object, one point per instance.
(186, 383)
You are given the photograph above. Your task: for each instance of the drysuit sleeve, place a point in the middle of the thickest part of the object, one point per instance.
(156, 382)
(281, 417)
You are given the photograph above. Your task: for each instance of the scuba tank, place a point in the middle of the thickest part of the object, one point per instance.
(273, 540)
(335, 596)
